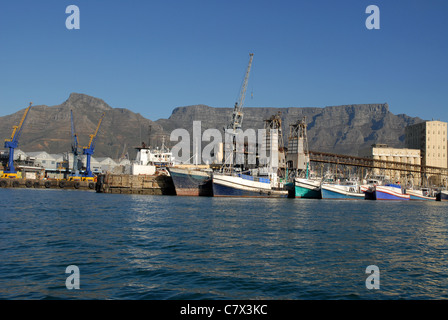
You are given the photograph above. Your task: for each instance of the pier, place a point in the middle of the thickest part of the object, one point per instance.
(366, 163)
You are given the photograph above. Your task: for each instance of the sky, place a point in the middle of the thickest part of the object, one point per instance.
(152, 56)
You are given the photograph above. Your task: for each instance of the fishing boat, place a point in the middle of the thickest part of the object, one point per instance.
(238, 178)
(442, 195)
(390, 192)
(192, 181)
(348, 190)
(307, 188)
(242, 185)
(303, 183)
(150, 161)
(420, 194)
(369, 185)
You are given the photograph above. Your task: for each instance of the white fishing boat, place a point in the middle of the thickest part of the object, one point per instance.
(150, 161)
(242, 185)
(420, 194)
(348, 190)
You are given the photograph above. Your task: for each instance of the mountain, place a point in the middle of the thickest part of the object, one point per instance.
(49, 128)
(336, 129)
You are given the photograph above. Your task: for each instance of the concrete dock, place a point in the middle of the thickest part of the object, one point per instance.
(47, 184)
(135, 184)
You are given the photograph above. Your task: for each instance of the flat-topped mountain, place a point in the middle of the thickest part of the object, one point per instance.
(336, 129)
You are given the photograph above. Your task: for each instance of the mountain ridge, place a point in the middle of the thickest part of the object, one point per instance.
(336, 129)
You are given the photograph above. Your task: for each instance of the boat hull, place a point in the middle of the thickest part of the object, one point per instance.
(369, 195)
(233, 186)
(390, 193)
(415, 195)
(369, 192)
(336, 192)
(304, 188)
(190, 182)
(442, 196)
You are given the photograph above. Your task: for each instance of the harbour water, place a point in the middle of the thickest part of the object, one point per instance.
(167, 247)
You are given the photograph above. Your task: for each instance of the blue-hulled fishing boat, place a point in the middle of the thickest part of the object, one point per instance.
(390, 192)
(241, 185)
(420, 194)
(347, 191)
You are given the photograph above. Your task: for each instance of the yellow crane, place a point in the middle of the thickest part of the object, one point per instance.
(12, 144)
(88, 151)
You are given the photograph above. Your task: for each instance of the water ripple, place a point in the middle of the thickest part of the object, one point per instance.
(160, 247)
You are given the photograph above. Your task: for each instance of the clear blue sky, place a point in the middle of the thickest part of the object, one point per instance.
(153, 56)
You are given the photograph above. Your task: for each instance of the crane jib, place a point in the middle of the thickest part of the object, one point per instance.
(237, 117)
(93, 136)
(11, 144)
(17, 130)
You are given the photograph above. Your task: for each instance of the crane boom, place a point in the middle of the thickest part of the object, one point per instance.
(237, 120)
(237, 117)
(17, 130)
(13, 143)
(93, 136)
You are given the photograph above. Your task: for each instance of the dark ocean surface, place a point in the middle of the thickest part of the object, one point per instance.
(168, 247)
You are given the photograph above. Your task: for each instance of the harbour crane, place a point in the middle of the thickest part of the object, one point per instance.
(89, 150)
(237, 116)
(12, 143)
(75, 176)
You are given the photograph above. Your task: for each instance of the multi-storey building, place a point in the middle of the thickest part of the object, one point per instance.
(398, 155)
(431, 138)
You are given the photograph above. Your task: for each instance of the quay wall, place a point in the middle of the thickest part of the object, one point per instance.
(135, 184)
(46, 184)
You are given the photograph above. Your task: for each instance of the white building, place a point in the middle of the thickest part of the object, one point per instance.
(105, 164)
(63, 161)
(43, 159)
